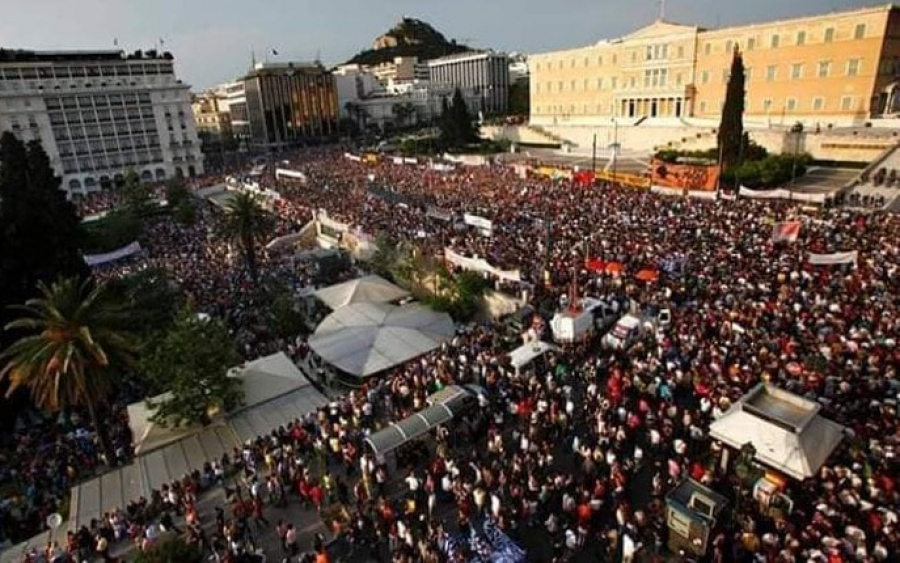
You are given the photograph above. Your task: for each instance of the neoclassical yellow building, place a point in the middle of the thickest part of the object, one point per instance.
(839, 68)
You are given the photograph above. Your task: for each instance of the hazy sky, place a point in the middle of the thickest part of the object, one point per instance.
(212, 40)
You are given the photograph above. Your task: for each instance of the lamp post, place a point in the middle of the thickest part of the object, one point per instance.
(615, 147)
(797, 131)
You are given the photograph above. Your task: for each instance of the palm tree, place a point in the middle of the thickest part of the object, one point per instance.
(71, 339)
(247, 224)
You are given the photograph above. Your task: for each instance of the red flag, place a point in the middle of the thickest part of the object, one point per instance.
(787, 231)
(595, 265)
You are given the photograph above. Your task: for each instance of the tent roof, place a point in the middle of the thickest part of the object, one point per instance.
(276, 394)
(366, 338)
(263, 379)
(526, 353)
(788, 433)
(409, 428)
(367, 289)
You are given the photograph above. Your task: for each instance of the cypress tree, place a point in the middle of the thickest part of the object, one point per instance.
(731, 128)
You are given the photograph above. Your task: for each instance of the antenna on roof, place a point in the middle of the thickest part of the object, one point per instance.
(662, 10)
(252, 59)
(318, 60)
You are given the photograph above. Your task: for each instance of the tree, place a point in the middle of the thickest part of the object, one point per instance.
(69, 340)
(176, 192)
(152, 298)
(38, 228)
(247, 224)
(731, 128)
(138, 197)
(172, 550)
(191, 364)
(456, 125)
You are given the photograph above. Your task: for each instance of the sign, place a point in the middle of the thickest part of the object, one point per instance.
(439, 214)
(286, 173)
(107, 257)
(480, 265)
(684, 176)
(630, 180)
(787, 231)
(835, 258)
(478, 222)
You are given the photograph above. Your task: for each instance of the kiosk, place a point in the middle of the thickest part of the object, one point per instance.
(693, 511)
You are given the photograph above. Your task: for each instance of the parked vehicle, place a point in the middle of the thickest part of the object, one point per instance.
(625, 333)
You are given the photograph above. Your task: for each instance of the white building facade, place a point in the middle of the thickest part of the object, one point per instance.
(99, 114)
(486, 73)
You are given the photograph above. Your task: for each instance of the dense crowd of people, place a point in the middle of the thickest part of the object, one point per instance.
(576, 452)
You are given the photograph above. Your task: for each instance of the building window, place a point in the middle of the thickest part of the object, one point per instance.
(791, 104)
(774, 41)
(600, 60)
(707, 49)
(847, 103)
(572, 86)
(615, 59)
(824, 69)
(853, 67)
(572, 63)
(796, 71)
(704, 77)
(614, 82)
(801, 38)
(728, 46)
(818, 104)
(680, 52)
(537, 66)
(559, 86)
(860, 31)
(767, 104)
(649, 52)
(633, 83)
(587, 62)
(829, 35)
(678, 79)
(751, 43)
(771, 73)
(702, 107)
(599, 84)
(586, 84)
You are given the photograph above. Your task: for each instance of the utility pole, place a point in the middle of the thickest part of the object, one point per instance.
(594, 156)
(548, 225)
(615, 154)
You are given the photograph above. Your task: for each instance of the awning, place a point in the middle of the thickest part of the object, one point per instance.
(368, 289)
(408, 429)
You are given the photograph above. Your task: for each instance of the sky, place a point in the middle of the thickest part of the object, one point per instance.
(213, 41)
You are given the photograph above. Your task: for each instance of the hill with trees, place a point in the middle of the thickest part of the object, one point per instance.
(409, 38)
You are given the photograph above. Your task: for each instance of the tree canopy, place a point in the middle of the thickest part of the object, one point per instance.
(456, 124)
(38, 226)
(248, 225)
(191, 362)
(731, 128)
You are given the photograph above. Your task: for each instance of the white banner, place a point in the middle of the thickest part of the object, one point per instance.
(835, 258)
(323, 218)
(397, 160)
(408, 160)
(282, 241)
(480, 265)
(118, 254)
(442, 167)
(352, 157)
(781, 193)
(477, 221)
(286, 173)
(466, 159)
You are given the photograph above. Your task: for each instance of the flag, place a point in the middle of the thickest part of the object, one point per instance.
(274, 52)
(116, 42)
(786, 231)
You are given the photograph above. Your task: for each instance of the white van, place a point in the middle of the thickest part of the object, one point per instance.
(624, 333)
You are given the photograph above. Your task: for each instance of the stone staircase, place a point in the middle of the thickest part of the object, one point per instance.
(537, 129)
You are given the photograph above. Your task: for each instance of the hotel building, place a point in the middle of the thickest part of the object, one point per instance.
(486, 74)
(99, 114)
(835, 69)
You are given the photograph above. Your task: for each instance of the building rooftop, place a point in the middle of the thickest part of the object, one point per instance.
(467, 55)
(270, 69)
(27, 56)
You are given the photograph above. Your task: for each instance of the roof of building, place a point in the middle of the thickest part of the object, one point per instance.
(29, 56)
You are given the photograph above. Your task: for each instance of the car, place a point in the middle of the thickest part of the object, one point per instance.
(625, 333)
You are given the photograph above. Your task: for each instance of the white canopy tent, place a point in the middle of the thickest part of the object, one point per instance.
(275, 393)
(526, 353)
(367, 289)
(366, 338)
(785, 429)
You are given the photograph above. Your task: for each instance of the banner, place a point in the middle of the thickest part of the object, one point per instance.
(352, 157)
(107, 257)
(397, 160)
(685, 176)
(258, 170)
(584, 178)
(631, 180)
(408, 160)
(442, 167)
(439, 214)
(787, 231)
(478, 222)
(389, 196)
(835, 258)
(480, 265)
(782, 194)
(554, 173)
(286, 173)
(324, 220)
(466, 159)
(371, 158)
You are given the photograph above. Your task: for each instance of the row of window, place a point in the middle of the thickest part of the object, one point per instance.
(98, 100)
(661, 51)
(60, 72)
(101, 162)
(800, 38)
(816, 104)
(658, 78)
(823, 69)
